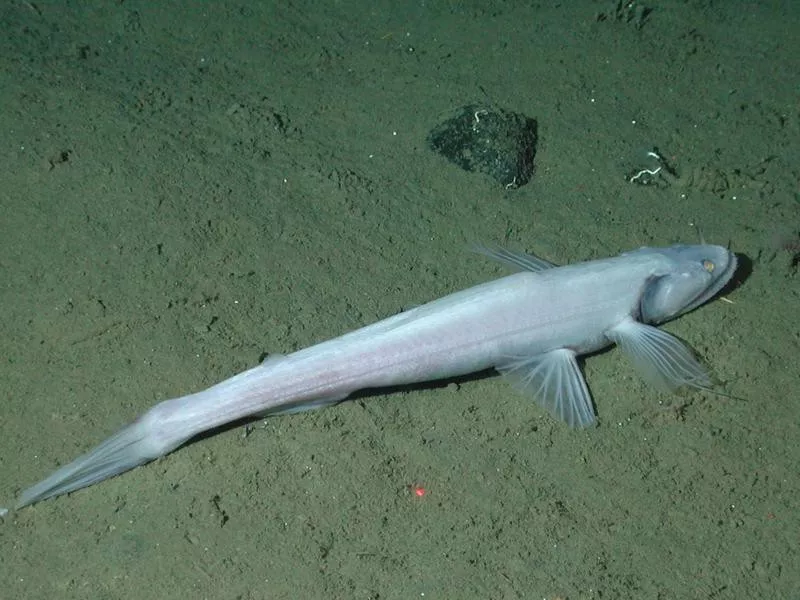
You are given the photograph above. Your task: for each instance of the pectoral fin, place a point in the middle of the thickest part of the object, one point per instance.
(658, 357)
(555, 381)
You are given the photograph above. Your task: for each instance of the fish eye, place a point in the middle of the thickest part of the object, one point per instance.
(708, 265)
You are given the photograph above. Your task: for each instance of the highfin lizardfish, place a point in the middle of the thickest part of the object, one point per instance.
(530, 326)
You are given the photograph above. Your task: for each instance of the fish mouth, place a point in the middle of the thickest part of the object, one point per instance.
(721, 263)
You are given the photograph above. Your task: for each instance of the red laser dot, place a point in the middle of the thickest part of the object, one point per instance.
(419, 492)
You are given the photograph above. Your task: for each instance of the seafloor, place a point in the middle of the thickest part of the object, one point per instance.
(187, 188)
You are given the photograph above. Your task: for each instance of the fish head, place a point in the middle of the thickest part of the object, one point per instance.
(685, 276)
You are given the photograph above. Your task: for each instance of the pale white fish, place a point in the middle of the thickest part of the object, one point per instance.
(530, 326)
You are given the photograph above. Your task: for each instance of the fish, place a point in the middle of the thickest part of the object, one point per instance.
(531, 326)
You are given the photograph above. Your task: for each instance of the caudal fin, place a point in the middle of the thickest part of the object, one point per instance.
(128, 448)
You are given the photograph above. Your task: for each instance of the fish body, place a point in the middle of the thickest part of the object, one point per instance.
(530, 326)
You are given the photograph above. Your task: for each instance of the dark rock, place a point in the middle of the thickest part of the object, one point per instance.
(498, 143)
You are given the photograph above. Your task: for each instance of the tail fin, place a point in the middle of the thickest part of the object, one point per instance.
(128, 448)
